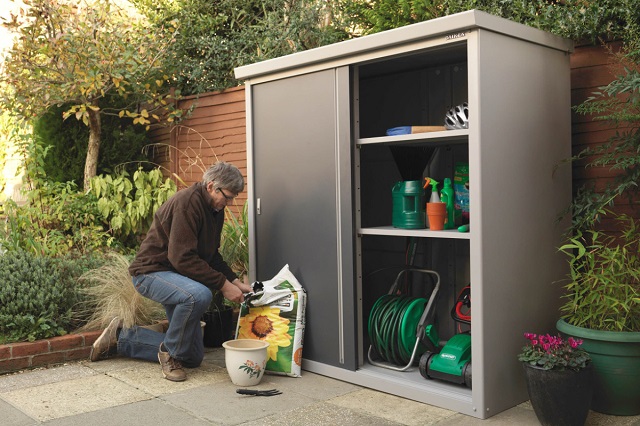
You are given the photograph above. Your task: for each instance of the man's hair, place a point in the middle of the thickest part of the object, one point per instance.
(224, 175)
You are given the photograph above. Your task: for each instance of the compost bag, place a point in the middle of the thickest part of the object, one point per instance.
(275, 313)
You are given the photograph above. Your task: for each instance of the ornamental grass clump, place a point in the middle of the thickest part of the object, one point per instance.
(110, 293)
(554, 353)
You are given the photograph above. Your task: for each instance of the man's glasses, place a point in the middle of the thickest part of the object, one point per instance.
(226, 197)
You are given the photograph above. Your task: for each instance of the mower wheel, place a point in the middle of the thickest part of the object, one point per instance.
(423, 365)
(466, 373)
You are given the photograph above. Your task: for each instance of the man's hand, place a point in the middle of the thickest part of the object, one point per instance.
(243, 285)
(232, 293)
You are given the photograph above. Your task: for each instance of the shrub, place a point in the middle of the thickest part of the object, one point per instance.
(37, 295)
(127, 205)
(121, 142)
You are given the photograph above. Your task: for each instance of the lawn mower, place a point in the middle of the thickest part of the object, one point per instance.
(453, 362)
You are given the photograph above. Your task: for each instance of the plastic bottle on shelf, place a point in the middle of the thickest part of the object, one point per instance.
(448, 197)
(435, 198)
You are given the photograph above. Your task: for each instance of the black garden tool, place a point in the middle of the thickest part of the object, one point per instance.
(270, 392)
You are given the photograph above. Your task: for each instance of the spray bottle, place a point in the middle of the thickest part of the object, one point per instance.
(448, 199)
(435, 198)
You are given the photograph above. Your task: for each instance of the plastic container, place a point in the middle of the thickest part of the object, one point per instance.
(408, 212)
(447, 196)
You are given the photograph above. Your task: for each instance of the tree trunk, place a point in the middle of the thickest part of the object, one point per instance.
(91, 162)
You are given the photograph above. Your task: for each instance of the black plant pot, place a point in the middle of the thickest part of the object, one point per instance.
(218, 328)
(560, 397)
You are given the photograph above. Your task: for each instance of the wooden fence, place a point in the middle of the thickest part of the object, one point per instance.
(215, 130)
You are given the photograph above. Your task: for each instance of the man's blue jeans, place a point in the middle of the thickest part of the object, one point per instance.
(184, 300)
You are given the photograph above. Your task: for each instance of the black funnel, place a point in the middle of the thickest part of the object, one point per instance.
(411, 160)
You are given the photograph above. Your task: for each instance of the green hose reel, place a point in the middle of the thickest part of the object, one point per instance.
(401, 327)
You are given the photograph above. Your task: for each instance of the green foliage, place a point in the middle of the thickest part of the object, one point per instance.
(5, 124)
(121, 143)
(234, 242)
(579, 20)
(127, 205)
(37, 295)
(618, 103)
(59, 218)
(56, 218)
(216, 36)
(81, 54)
(603, 290)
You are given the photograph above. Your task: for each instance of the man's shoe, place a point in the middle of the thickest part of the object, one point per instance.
(171, 368)
(106, 341)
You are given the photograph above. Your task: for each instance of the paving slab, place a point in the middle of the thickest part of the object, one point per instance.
(41, 376)
(14, 417)
(113, 364)
(599, 419)
(119, 390)
(310, 385)
(147, 377)
(152, 412)
(219, 403)
(71, 397)
(519, 415)
(321, 414)
(392, 408)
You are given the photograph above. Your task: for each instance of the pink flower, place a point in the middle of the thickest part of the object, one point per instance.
(574, 343)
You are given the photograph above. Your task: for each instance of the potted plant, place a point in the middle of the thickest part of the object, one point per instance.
(603, 309)
(559, 379)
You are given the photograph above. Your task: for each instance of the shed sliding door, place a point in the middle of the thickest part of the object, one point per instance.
(302, 199)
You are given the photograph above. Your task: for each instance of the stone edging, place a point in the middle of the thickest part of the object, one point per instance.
(56, 350)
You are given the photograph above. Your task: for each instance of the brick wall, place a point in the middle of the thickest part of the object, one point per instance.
(57, 350)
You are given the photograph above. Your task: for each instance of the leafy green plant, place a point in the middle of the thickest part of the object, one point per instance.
(579, 20)
(37, 296)
(127, 205)
(617, 104)
(603, 289)
(234, 242)
(80, 53)
(214, 37)
(109, 292)
(121, 142)
(56, 217)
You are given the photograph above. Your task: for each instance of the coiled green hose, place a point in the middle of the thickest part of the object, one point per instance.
(387, 324)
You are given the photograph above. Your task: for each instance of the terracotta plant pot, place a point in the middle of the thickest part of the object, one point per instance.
(437, 213)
